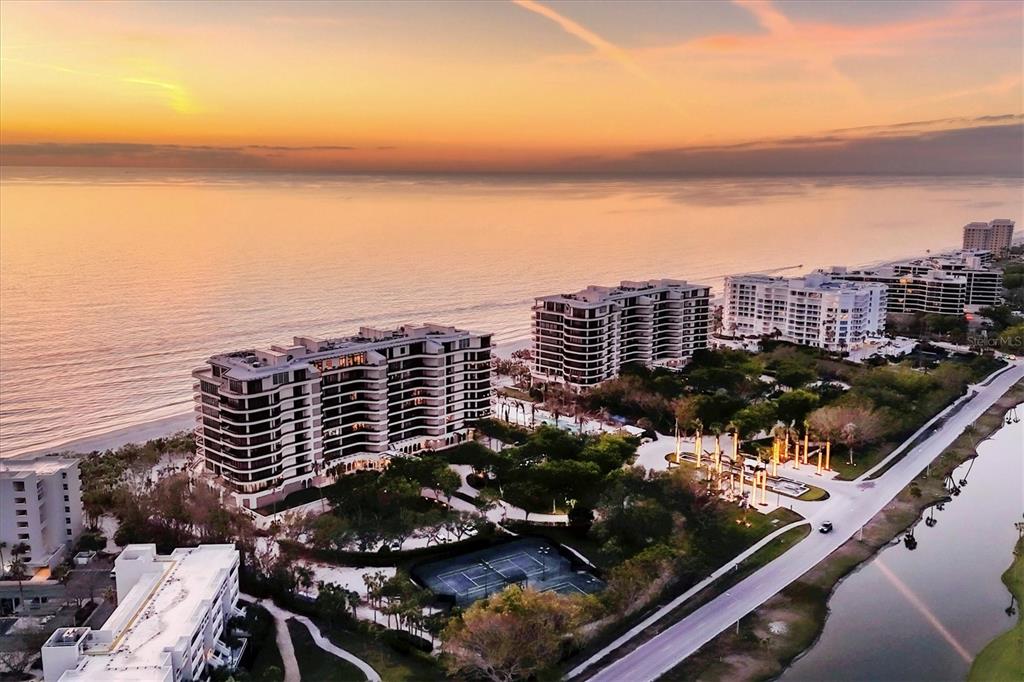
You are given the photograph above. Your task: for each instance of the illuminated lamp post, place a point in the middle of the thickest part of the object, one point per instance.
(677, 442)
(698, 446)
(796, 450)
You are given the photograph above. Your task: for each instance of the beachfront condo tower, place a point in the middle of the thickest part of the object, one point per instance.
(995, 236)
(269, 422)
(948, 284)
(584, 338)
(815, 310)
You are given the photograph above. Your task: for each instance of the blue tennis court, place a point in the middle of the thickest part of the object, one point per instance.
(530, 562)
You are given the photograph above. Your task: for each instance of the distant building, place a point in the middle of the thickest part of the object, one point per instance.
(269, 422)
(168, 625)
(41, 507)
(585, 337)
(815, 310)
(995, 236)
(947, 284)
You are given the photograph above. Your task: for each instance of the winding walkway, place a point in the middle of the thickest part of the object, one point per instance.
(284, 643)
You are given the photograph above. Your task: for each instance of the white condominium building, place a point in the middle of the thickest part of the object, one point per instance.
(41, 507)
(947, 284)
(583, 338)
(168, 625)
(273, 421)
(995, 236)
(814, 310)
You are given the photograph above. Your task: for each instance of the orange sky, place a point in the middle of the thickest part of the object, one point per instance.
(435, 85)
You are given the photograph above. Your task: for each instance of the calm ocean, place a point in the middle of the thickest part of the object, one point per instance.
(115, 284)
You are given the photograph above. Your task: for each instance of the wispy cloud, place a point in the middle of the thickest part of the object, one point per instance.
(173, 95)
(980, 146)
(603, 47)
(819, 47)
(252, 156)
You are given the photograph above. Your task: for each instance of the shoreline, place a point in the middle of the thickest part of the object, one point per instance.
(110, 440)
(803, 606)
(1005, 653)
(166, 426)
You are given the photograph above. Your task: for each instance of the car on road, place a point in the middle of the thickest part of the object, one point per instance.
(825, 527)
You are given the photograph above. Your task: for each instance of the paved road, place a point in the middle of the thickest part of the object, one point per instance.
(851, 506)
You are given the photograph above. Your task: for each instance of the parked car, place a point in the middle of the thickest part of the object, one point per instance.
(825, 527)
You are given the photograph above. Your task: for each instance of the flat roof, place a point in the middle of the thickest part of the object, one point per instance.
(155, 614)
(23, 466)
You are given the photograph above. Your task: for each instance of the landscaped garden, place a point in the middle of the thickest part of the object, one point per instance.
(865, 410)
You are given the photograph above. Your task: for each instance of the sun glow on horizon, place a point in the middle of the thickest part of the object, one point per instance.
(511, 84)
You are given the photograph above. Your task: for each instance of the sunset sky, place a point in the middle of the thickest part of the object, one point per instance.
(518, 85)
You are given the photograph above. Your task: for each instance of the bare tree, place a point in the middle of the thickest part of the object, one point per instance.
(853, 425)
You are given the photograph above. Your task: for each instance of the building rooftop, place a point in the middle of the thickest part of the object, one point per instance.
(596, 295)
(815, 281)
(23, 466)
(159, 610)
(254, 363)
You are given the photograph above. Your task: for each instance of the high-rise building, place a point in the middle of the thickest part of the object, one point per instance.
(169, 624)
(585, 337)
(995, 236)
(273, 421)
(40, 507)
(947, 284)
(814, 310)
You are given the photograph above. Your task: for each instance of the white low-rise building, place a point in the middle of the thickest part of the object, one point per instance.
(815, 310)
(40, 507)
(168, 625)
(585, 337)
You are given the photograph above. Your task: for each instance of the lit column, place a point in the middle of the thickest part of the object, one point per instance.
(828, 454)
(796, 451)
(698, 447)
(818, 472)
(806, 454)
(775, 457)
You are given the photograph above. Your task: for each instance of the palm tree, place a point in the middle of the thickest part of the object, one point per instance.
(19, 569)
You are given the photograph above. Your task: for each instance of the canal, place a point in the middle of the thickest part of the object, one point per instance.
(923, 614)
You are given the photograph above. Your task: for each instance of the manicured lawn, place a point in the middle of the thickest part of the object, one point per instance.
(390, 664)
(267, 666)
(814, 495)
(317, 664)
(1003, 657)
